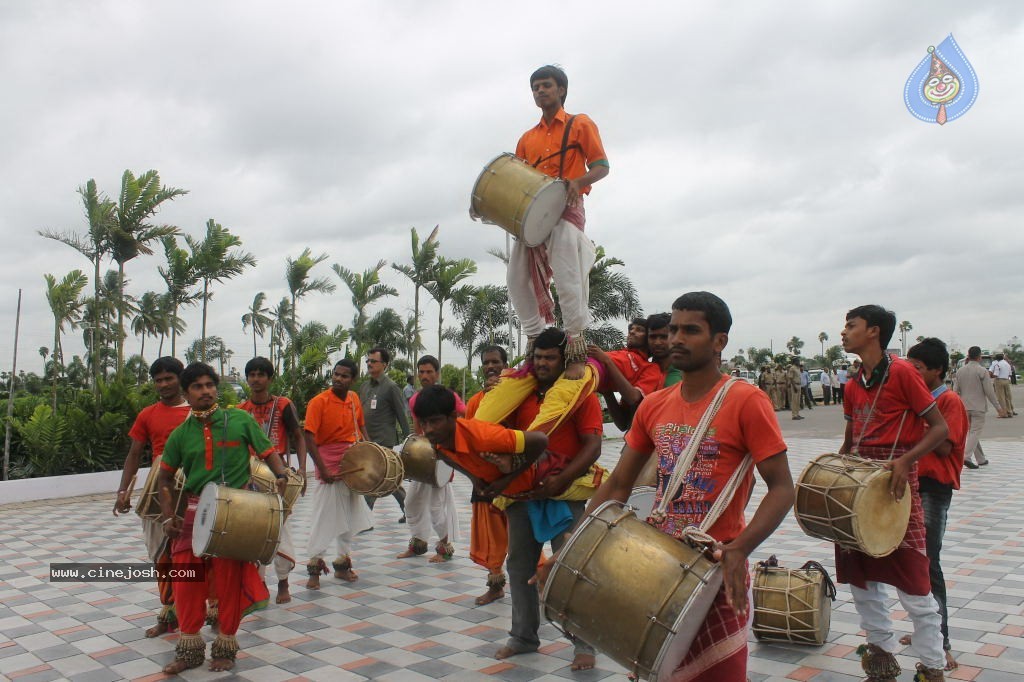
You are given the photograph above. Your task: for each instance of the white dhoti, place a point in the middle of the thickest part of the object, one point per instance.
(284, 560)
(338, 514)
(428, 508)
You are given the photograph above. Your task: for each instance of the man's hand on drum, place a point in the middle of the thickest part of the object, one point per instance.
(123, 503)
(282, 486)
(734, 576)
(572, 194)
(172, 527)
(543, 571)
(900, 469)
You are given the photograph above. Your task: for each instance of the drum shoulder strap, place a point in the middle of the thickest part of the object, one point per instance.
(562, 150)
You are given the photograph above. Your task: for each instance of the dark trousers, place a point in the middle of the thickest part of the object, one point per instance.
(935, 499)
(826, 394)
(806, 397)
(842, 391)
(523, 554)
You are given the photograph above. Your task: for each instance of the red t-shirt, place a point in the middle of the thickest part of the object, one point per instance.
(947, 469)
(154, 424)
(746, 423)
(638, 370)
(903, 390)
(275, 425)
(563, 442)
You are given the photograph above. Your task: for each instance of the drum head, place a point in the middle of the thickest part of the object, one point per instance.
(544, 213)
(642, 501)
(881, 521)
(367, 466)
(206, 516)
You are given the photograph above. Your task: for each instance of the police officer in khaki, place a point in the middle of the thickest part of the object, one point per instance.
(793, 384)
(780, 387)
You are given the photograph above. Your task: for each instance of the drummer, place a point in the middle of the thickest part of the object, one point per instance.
(152, 427)
(334, 421)
(887, 407)
(211, 446)
(745, 423)
(277, 417)
(428, 507)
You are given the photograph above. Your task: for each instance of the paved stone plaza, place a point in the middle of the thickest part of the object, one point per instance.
(410, 620)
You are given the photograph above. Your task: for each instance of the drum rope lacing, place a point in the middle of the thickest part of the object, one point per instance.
(699, 534)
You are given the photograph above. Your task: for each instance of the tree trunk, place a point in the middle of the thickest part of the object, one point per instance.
(254, 340)
(120, 317)
(56, 352)
(95, 329)
(440, 324)
(202, 337)
(416, 311)
(293, 328)
(160, 350)
(174, 328)
(142, 356)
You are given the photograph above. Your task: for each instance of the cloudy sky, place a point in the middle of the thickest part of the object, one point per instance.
(761, 151)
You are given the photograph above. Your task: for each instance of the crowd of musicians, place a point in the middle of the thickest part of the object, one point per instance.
(529, 443)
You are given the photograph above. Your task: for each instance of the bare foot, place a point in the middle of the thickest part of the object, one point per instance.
(348, 575)
(489, 596)
(951, 663)
(283, 595)
(583, 662)
(573, 372)
(220, 664)
(438, 559)
(158, 629)
(406, 554)
(313, 583)
(905, 639)
(507, 651)
(502, 462)
(177, 666)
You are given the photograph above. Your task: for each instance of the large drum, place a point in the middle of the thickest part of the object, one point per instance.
(642, 500)
(634, 593)
(264, 480)
(148, 506)
(519, 198)
(370, 469)
(846, 500)
(233, 523)
(792, 605)
(422, 464)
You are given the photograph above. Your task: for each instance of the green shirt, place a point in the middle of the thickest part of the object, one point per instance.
(673, 376)
(205, 450)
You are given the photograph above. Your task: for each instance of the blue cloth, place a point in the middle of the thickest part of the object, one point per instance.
(549, 518)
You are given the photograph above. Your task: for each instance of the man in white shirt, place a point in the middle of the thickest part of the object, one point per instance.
(826, 386)
(1000, 371)
(974, 385)
(843, 375)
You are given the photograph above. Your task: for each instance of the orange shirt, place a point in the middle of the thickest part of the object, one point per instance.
(333, 420)
(543, 140)
(946, 469)
(564, 442)
(473, 437)
(746, 422)
(473, 404)
(154, 424)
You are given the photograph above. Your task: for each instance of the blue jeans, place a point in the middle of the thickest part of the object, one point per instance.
(935, 499)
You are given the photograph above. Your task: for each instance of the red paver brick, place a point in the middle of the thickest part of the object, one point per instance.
(458, 598)
(355, 627)
(137, 616)
(840, 651)
(993, 650)
(66, 631)
(1012, 630)
(39, 614)
(553, 647)
(300, 607)
(29, 671)
(108, 600)
(410, 612)
(152, 678)
(296, 641)
(404, 583)
(964, 672)
(899, 614)
(108, 652)
(804, 673)
(497, 668)
(4, 645)
(354, 595)
(425, 644)
(964, 571)
(475, 630)
(983, 562)
(300, 678)
(359, 664)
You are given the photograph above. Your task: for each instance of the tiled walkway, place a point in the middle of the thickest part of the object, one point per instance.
(409, 620)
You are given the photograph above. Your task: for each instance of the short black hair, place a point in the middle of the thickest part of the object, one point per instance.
(639, 322)
(260, 364)
(350, 363)
(196, 371)
(434, 400)
(552, 337)
(166, 364)
(658, 321)
(998, 356)
(385, 354)
(495, 349)
(716, 312)
(933, 353)
(429, 360)
(876, 316)
(974, 352)
(553, 72)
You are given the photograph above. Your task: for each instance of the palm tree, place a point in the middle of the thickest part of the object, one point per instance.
(216, 259)
(822, 338)
(387, 329)
(169, 323)
(612, 294)
(257, 318)
(94, 245)
(209, 347)
(149, 320)
(366, 289)
(420, 272)
(795, 345)
(483, 313)
(131, 233)
(116, 304)
(66, 303)
(299, 284)
(445, 286)
(904, 327)
(282, 324)
(179, 276)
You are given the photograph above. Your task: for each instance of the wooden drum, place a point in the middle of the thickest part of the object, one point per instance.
(234, 523)
(149, 501)
(371, 469)
(264, 480)
(792, 605)
(422, 464)
(517, 197)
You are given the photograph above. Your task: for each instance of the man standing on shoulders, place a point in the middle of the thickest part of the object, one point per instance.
(277, 417)
(152, 427)
(428, 507)
(488, 535)
(334, 421)
(891, 417)
(974, 386)
(744, 424)
(793, 385)
(1001, 371)
(939, 470)
(567, 147)
(385, 407)
(212, 445)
